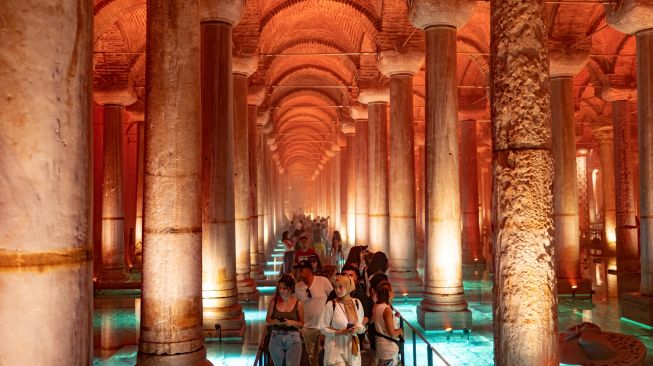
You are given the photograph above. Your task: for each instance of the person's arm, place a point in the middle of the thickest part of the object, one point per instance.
(390, 323)
(300, 291)
(359, 327)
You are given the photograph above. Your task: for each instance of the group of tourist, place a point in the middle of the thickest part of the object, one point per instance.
(330, 314)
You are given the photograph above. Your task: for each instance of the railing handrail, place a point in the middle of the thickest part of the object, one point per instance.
(419, 334)
(261, 346)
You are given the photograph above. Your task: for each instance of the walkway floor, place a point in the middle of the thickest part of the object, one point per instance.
(115, 325)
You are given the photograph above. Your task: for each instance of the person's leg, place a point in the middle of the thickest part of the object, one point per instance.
(294, 349)
(276, 350)
(310, 340)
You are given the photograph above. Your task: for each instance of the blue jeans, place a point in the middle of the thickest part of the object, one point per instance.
(286, 345)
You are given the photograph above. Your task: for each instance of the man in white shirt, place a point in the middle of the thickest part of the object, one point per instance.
(312, 291)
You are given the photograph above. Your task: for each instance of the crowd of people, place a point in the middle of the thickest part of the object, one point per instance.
(329, 310)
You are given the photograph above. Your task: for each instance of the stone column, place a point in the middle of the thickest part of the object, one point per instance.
(471, 236)
(564, 64)
(525, 324)
(604, 136)
(334, 222)
(257, 256)
(444, 302)
(140, 167)
(360, 116)
(261, 121)
(113, 212)
(349, 130)
(400, 68)
(242, 68)
(344, 179)
(219, 286)
(628, 265)
(171, 312)
(377, 167)
(636, 17)
(46, 251)
(420, 192)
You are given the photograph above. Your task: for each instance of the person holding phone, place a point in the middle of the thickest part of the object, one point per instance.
(341, 322)
(286, 317)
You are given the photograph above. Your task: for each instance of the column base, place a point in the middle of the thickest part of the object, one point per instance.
(197, 358)
(583, 287)
(231, 320)
(441, 320)
(113, 275)
(256, 272)
(406, 283)
(628, 282)
(247, 290)
(637, 307)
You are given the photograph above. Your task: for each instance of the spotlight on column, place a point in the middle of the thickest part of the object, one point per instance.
(466, 332)
(573, 291)
(405, 295)
(449, 332)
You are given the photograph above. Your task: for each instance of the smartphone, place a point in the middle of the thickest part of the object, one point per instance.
(282, 319)
(350, 325)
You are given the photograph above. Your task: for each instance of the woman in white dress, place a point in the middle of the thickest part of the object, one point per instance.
(341, 322)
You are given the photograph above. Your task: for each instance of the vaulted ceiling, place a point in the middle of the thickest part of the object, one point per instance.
(315, 55)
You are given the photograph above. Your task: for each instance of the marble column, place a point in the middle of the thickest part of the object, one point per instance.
(471, 236)
(219, 284)
(171, 305)
(344, 179)
(140, 173)
(444, 302)
(564, 64)
(46, 247)
(242, 68)
(525, 302)
(257, 256)
(261, 121)
(377, 167)
(420, 193)
(605, 138)
(113, 211)
(636, 17)
(360, 116)
(350, 134)
(400, 68)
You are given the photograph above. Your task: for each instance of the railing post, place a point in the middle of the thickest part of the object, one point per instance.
(429, 355)
(414, 348)
(402, 353)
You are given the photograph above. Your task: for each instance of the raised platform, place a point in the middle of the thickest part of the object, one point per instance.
(441, 320)
(637, 307)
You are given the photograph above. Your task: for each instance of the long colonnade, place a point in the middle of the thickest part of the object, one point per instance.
(217, 186)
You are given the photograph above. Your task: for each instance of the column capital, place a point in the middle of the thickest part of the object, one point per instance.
(613, 94)
(122, 97)
(244, 65)
(256, 94)
(136, 115)
(471, 114)
(604, 135)
(228, 11)
(348, 128)
(392, 62)
(359, 112)
(630, 16)
(427, 13)
(341, 139)
(374, 95)
(566, 59)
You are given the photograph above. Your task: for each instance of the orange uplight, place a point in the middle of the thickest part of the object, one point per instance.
(449, 330)
(574, 287)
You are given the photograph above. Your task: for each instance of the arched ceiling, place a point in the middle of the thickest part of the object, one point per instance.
(315, 55)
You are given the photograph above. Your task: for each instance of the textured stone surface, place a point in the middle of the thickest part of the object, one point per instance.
(171, 320)
(377, 149)
(645, 135)
(229, 11)
(45, 245)
(471, 236)
(525, 302)
(393, 62)
(372, 95)
(427, 13)
(362, 185)
(630, 16)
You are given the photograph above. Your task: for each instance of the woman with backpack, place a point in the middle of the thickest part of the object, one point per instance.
(387, 333)
(341, 322)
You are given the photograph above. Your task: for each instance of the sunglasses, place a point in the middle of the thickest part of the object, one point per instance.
(308, 293)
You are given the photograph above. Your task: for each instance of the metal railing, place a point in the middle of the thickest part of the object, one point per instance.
(262, 355)
(430, 350)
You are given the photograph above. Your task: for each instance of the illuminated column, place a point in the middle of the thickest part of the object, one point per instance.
(344, 179)
(261, 196)
(525, 301)
(242, 68)
(604, 136)
(172, 182)
(336, 178)
(140, 167)
(420, 191)
(349, 130)
(444, 302)
(360, 116)
(471, 236)
(377, 171)
(635, 17)
(45, 251)
(257, 256)
(564, 64)
(402, 253)
(219, 286)
(113, 213)
(628, 266)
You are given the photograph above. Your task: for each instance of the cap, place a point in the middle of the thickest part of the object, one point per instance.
(303, 264)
